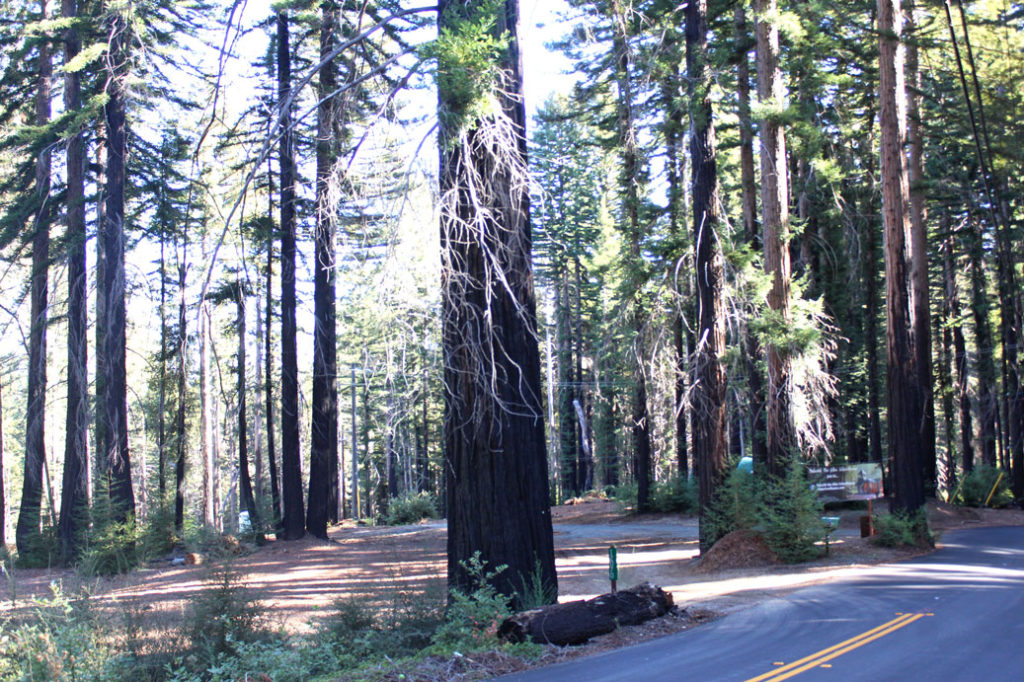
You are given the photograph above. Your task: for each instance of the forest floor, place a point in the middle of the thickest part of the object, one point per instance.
(295, 583)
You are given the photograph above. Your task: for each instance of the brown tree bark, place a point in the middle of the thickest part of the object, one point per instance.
(779, 434)
(919, 255)
(905, 410)
(323, 454)
(29, 516)
(709, 393)
(74, 494)
(988, 403)
(495, 459)
(293, 519)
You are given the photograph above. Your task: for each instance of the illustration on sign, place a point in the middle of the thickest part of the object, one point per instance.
(846, 482)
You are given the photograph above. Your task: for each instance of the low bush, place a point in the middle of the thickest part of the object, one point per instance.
(903, 530)
(221, 615)
(472, 620)
(977, 486)
(411, 508)
(677, 494)
(785, 512)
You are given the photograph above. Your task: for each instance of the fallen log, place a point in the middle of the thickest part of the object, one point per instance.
(577, 621)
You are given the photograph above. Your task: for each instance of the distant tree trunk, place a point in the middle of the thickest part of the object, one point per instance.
(780, 438)
(179, 428)
(323, 455)
(906, 412)
(3, 482)
(244, 481)
(710, 438)
(258, 473)
(567, 442)
(919, 257)
(161, 435)
(355, 446)
(74, 493)
(206, 419)
(101, 312)
(960, 358)
(980, 309)
(27, 531)
(674, 168)
(748, 201)
(268, 387)
(631, 187)
(495, 459)
(293, 521)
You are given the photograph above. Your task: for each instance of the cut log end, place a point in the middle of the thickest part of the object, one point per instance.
(576, 622)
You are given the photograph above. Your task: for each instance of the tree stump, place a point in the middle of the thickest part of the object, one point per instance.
(576, 622)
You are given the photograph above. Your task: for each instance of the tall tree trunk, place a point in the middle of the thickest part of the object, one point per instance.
(906, 412)
(27, 531)
(293, 520)
(246, 498)
(980, 309)
(268, 388)
(74, 494)
(959, 354)
(641, 423)
(709, 392)
(206, 419)
(161, 435)
(496, 464)
(258, 468)
(179, 427)
(355, 445)
(3, 481)
(99, 333)
(674, 168)
(567, 453)
(323, 455)
(919, 256)
(780, 439)
(748, 201)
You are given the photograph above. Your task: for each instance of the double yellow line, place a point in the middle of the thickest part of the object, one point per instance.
(837, 650)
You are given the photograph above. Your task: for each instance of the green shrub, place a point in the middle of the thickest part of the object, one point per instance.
(624, 493)
(978, 484)
(411, 508)
(58, 639)
(111, 547)
(221, 615)
(785, 512)
(472, 620)
(41, 550)
(735, 507)
(678, 494)
(903, 530)
(791, 517)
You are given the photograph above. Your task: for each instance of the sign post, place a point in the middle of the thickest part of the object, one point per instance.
(613, 566)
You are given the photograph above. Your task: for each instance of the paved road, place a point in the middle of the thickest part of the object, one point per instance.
(957, 614)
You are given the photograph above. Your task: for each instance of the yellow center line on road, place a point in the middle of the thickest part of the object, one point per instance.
(837, 650)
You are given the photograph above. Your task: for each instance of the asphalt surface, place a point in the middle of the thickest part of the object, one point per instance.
(957, 614)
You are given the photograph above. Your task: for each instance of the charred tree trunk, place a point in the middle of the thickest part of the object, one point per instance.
(906, 411)
(576, 622)
(74, 497)
(780, 439)
(709, 394)
(495, 459)
(29, 516)
(293, 520)
(323, 455)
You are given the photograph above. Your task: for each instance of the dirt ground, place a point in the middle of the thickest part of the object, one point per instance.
(296, 582)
